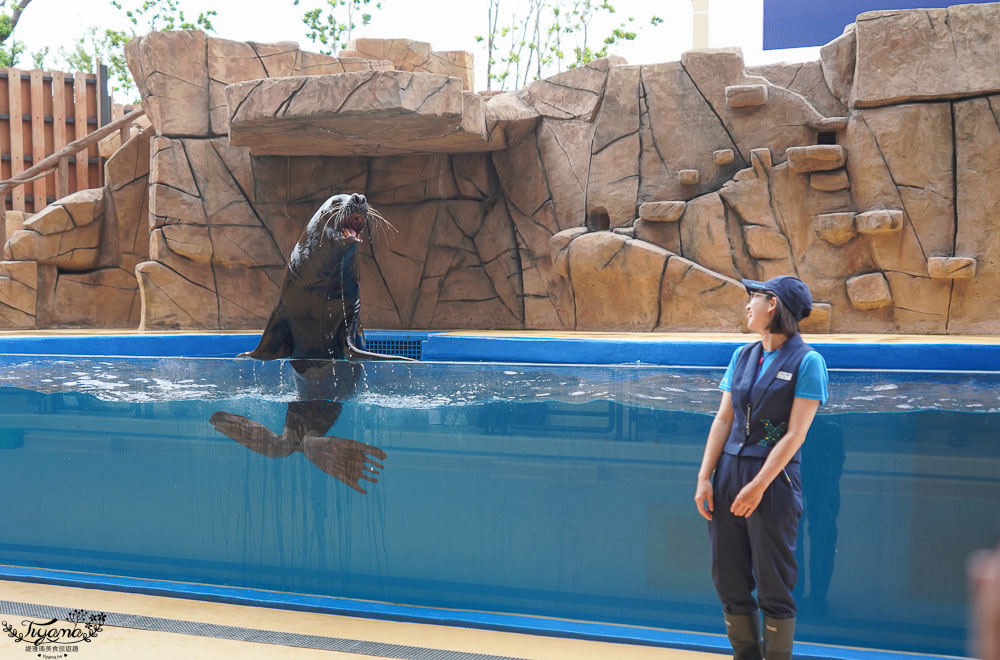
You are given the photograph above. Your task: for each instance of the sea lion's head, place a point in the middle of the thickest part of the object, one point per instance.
(345, 217)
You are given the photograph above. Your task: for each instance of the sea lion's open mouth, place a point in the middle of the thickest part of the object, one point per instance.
(352, 226)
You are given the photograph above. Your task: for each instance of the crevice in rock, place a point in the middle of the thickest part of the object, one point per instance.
(892, 178)
(743, 262)
(569, 161)
(915, 311)
(367, 81)
(937, 100)
(624, 178)
(951, 298)
(644, 98)
(180, 190)
(714, 288)
(215, 281)
(239, 306)
(246, 200)
(926, 190)
(614, 141)
(229, 171)
(10, 323)
(659, 295)
(620, 249)
(287, 103)
(567, 115)
(736, 147)
(795, 77)
(951, 33)
(260, 59)
(554, 83)
(179, 79)
(385, 283)
(431, 95)
(954, 178)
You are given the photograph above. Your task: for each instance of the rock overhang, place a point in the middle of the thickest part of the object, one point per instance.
(364, 113)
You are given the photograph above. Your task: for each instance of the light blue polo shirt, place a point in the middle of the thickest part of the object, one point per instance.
(811, 383)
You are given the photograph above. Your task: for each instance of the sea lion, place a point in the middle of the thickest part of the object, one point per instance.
(319, 309)
(317, 322)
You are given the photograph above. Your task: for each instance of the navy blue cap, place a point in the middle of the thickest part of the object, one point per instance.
(791, 291)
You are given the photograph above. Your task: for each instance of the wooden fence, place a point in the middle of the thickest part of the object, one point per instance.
(40, 113)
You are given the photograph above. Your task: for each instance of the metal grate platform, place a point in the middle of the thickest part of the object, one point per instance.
(403, 347)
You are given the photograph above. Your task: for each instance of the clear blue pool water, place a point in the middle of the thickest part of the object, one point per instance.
(560, 490)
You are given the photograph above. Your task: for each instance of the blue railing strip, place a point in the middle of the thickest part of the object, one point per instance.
(456, 347)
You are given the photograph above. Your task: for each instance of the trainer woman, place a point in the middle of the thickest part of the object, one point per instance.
(771, 391)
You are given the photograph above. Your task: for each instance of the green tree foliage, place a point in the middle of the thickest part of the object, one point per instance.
(108, 46)
(544, 37)
(10, 14)
(330, 26)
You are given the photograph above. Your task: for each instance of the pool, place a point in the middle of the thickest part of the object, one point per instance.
(553, 490)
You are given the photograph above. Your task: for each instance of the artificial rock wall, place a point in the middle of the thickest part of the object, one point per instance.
(608, 197)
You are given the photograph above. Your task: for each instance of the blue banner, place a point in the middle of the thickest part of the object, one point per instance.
(798, 23)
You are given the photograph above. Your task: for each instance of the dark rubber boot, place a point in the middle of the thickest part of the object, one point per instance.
(778, 634)
(744, 635)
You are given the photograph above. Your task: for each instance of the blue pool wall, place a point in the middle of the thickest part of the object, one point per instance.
(447, 347)
(459, 347)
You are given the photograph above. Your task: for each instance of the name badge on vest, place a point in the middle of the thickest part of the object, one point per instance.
(784, 375)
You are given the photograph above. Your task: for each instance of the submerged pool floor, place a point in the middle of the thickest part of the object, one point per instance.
(216, 630)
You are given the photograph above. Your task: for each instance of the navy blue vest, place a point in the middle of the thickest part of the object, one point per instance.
(769, 401)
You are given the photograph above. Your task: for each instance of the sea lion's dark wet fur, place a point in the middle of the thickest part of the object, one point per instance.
(317, 321)
(319, 309)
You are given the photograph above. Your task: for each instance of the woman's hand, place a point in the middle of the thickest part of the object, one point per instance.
(703, 498)
(747, 500)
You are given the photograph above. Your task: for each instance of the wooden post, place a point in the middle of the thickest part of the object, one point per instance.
(38, 136)
(62, 178)
(59, 131)
(80, 119)
(16, 144)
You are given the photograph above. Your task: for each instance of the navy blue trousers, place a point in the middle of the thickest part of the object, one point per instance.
(758, 551)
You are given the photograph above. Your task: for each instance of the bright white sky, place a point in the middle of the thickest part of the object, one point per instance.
(446, 24)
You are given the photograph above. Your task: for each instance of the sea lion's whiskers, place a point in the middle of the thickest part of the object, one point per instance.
(382, 223)
(381, 218)
(325, 219)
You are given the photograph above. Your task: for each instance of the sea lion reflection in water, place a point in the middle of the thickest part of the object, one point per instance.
(317, 323)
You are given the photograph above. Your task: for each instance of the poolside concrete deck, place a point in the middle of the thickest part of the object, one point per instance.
(155, 644)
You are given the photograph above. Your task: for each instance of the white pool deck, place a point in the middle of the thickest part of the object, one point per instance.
(122, 642)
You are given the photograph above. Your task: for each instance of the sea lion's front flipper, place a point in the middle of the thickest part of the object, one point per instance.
(343, 459)
(253, 435)
(276, 340)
